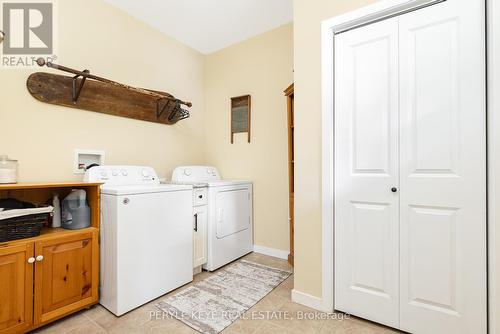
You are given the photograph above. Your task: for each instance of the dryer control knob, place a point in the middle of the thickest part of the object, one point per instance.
(124, 172)
(187, 172)
(114, 172)
(145, 173)
(104, 173)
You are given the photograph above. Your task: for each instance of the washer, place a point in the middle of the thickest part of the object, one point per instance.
(230, 217)
(146, 236)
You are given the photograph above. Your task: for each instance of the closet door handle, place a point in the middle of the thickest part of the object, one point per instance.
(394, 189)
(196, 222)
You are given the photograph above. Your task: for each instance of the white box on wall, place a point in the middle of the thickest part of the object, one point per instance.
(84, 158)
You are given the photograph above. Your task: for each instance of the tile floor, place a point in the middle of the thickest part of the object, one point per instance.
(265, 317)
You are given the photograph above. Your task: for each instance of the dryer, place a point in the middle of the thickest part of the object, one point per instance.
(230, 216)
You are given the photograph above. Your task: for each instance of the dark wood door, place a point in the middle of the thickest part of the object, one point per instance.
(16, 287)
(289, 93)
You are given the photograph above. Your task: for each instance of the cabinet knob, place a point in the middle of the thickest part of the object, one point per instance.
(31, 260)
(394, 189)
(39, 258)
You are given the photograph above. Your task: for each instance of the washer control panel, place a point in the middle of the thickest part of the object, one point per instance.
(122, 175)
(190, 174)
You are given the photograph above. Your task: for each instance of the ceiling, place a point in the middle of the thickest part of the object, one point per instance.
(210, 25)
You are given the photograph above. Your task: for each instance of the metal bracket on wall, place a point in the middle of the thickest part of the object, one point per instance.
(172, 109)
(76, 91)
(160, 108)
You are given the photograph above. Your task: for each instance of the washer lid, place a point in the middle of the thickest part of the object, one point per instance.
(143, 189)
(225, 183)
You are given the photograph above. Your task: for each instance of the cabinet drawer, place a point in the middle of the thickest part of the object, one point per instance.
(200, 196)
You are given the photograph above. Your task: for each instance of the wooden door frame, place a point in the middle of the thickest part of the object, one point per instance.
(289, 92)
(378, 11)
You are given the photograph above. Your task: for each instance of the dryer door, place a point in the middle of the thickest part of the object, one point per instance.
(232, 210)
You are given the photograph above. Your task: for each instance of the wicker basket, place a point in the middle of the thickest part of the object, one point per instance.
(22, 227)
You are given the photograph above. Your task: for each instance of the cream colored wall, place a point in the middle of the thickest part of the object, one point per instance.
(262, 67)
(108, 42)
(43, 137)
(307, 58)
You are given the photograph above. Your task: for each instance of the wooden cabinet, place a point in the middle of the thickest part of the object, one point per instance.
(52, 275)
(289, 93)
(16, 288)
(200, 235)
(65, 274)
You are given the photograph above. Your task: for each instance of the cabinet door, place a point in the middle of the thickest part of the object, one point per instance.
(200, 236)
(16, 292)
(66, 275)
(367, 173)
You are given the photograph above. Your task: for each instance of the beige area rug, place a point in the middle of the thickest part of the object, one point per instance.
(211, 305)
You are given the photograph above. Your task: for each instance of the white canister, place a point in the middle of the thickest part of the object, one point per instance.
(8, 170)
(56, 218)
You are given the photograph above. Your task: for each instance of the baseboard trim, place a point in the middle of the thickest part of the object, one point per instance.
(309, 301)
(281, 254)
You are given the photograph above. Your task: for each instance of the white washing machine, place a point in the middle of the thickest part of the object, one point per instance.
(146, 236)
(230, 222)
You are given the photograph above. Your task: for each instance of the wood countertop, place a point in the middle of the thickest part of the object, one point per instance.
(41, 185)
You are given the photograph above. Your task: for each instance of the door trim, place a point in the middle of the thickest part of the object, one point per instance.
(493, 160)
(365, 15)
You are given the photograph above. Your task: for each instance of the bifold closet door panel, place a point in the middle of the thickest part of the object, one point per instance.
(443, 169)
(366, 167)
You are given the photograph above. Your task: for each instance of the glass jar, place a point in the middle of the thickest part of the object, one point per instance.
(8, 170)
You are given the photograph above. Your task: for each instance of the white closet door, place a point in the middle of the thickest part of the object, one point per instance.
(366, 166)
(443, 171)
